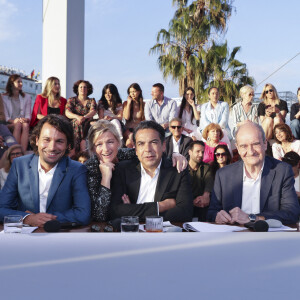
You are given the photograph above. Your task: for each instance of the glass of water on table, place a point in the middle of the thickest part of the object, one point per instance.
(130, 224)
(13, 224)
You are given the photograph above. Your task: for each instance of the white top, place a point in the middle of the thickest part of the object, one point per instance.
(278, 152)
(45, 180)
(186, 118)
(3, 177)
(176, 145)
(251, 193)
(148, 186)
(25, 106)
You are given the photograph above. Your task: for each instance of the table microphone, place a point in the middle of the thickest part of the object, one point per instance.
(55, 226)
(258, 226)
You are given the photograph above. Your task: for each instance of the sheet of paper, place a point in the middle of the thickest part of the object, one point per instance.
(207, 227)
(282, 228)
(25, 229)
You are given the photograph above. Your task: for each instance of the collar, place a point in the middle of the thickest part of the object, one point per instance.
(178, 143)
(245, 177)
(40, 169)
(143, 171)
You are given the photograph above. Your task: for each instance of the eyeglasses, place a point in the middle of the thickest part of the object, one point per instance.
(220, 154)
(178, 127)
(16, 154)
(270, 90)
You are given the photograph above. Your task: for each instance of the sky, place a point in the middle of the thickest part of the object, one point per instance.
(119, 34)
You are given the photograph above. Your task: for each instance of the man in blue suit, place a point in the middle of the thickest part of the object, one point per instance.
(47, 185)
(255, 188)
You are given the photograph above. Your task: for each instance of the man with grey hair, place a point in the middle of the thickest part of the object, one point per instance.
(257, 187)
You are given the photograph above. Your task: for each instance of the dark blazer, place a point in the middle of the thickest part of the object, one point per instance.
(183, 147)
(68, 197)
(170, 184)
(278, 199)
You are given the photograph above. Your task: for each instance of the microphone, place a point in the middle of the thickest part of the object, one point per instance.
(274, 223)
(56, 226)
(258, 226)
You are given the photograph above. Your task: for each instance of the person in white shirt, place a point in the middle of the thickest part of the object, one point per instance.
(151, 185)
(256, 188)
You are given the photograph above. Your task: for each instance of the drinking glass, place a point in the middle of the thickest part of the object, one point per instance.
(130, 224)
(13, 224)
(154, 224)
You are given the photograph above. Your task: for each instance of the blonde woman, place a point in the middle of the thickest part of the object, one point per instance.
(49, 102)
(245, 110)
(11, 153)
(271, 110)
(17, 107)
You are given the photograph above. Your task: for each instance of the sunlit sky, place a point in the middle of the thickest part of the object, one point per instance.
(119, 34)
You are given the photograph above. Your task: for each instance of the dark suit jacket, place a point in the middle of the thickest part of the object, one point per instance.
(278, 199)
(183, 147)
(170, 184)
(68, 197)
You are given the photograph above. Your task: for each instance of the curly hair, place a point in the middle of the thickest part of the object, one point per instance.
(88, 84)
(115, 99)
(212, 126)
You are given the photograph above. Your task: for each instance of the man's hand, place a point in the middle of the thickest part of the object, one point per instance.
(179, 161)
(165, 125)
(126, 199)
(202, 201)
(38, 219)
(238, 216)
(223, 217)
(166, 205)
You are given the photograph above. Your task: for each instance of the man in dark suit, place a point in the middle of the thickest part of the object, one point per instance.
(47, 185)
(151, 185)
(177, 142)
(256, 188)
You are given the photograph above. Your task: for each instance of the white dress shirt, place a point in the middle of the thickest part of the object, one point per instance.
(45, 180)
(176, 145)
(148, 186)
(251, 193)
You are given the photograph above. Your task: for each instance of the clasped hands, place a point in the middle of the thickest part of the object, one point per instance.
(236, 215)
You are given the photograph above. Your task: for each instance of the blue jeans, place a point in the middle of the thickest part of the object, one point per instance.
(295, 127)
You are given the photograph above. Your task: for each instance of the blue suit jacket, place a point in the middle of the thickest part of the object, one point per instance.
(68, 197)
(278, 199)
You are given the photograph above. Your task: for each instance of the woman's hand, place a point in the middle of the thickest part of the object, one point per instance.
(106, 170)
(108, 118)
(80, 119)
(17, 120)
(179, 161)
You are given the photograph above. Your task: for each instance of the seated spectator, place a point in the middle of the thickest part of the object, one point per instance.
(202, 180)
(6, 139)
(295, 117)
(285, 141)
(212, 134)
(244, 110)
(49, 102)
(17, 110)
(133, 112)
(189, 114)
(222, 158)
(80, 109)
(104, 146)
(12, 152)
(177, 142)
(83, 156)
(110, 107)
(215, 111)
(160, 109)
(151, 185)
(271, 110)
(293, 159)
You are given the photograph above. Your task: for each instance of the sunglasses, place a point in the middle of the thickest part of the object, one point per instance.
(270, 90)
(220, 154)
(178, 127)
(16, 154)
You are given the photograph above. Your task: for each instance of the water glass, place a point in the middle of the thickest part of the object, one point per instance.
(13, 224)
(130, 224)
(154, 224)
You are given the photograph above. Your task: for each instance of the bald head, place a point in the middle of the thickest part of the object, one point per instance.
(250, 126)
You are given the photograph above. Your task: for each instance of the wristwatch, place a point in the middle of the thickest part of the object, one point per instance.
(252, 217)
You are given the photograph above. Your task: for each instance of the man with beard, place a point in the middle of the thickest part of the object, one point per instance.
(47, 185)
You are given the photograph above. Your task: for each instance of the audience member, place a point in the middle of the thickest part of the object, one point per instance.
(189, 114)
(213, 135)
(285, 141)
(244, 110)
(133, 112)
(104, 147)
(17, 109)
(83, 156)
(271, 110)
(295, 117)
(110, 107)
(49, 102)
(177, 142)
(6, 139)
(80, 109)
(257, 187)
(151, 185)
(202, 180)
(160, 109)
(12, 152)
(47, 185)
(215, 111)
(222, 158)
